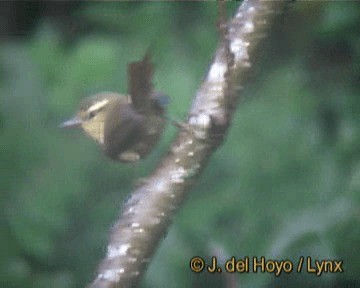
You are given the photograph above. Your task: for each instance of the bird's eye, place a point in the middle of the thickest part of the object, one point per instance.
(91, 114)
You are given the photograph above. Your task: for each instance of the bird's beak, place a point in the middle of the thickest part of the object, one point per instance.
(71, 123)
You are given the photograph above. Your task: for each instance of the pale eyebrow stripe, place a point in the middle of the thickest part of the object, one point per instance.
(98, 105)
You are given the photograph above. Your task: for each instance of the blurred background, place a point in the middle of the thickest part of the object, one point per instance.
(285, 183)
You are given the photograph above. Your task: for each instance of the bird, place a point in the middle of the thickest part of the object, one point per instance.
(127, 127)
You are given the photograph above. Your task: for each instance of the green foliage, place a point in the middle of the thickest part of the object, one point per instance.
(285, 184)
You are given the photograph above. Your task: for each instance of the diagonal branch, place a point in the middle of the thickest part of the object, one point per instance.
(148, 213)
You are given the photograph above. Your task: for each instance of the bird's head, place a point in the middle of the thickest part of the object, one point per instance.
(92, 112)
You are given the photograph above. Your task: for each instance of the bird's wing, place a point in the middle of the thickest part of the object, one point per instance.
(122, 129)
